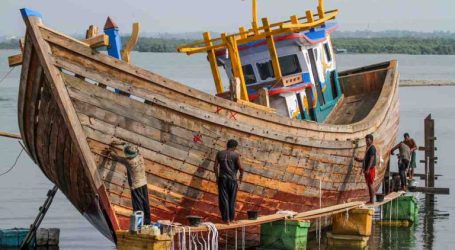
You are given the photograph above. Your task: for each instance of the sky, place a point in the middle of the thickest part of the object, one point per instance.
(175, 16)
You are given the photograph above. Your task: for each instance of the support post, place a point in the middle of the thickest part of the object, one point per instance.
(321, 9)
(255, 12)
(213, 64)
(309, 16)
(272, 50)
(236, 64)
(264, 97)
(429, 149)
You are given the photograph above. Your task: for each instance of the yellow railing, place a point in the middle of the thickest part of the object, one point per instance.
(267, 31)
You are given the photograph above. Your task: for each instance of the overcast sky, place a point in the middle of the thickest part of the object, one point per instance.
(74, 16)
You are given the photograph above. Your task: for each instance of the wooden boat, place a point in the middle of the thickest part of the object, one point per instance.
(70, 109)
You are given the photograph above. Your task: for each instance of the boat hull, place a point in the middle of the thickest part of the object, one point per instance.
(289, 164)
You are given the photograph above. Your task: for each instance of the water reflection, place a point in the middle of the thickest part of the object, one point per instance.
(419, 235)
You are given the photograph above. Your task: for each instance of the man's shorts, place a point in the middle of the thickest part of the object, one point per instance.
(370, 175)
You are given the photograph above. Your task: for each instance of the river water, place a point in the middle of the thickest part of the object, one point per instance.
(23, 190)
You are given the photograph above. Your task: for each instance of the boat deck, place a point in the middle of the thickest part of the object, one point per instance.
(353, 108)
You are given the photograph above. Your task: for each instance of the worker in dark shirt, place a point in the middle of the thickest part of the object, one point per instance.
(227, 165)
(404, 158)
(369, 165)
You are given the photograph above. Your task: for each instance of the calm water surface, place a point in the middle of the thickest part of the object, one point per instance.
(23, 190)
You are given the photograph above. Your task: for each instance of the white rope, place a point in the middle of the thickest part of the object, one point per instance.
(212, 237)
(243, 237)
(179, 238)
(236, 239)
(190, 242)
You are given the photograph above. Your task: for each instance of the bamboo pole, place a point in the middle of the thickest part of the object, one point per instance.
(10, 135)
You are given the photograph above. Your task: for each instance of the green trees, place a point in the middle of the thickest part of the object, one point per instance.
(375, 45)
(391, 45)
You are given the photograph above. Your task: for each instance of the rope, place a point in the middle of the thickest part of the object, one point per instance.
(15, 162)
(243, 237)
(236, 239)
(6, 75)
(212, 237)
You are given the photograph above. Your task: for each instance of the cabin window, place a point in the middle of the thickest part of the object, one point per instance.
(265, 70)
(289, 65)
(248, 74)
(328, 55)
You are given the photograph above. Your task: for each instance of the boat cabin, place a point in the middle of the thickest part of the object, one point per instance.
(289, 67)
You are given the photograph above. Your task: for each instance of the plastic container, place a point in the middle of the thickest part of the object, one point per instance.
(290, 234)
(136, 221)
(194, 220)
(403, 208)
(13, 237)
(358, 222)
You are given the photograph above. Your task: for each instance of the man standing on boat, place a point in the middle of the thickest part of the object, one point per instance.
(135, 168)
(369, 165)
(227, 164)
(413, 146)
(404, 158)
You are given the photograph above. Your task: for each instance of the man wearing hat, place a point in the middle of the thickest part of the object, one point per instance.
(137, 180)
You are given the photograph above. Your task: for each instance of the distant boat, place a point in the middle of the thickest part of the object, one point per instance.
(298, 120)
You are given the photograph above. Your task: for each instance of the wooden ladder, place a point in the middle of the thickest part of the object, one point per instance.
(39, 218)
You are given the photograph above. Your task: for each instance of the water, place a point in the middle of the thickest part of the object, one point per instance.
(23, 190)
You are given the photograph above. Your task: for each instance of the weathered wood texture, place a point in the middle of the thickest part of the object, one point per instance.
(179, 130)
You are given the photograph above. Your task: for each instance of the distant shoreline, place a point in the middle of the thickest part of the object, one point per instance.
(352, 45)
(423, 83)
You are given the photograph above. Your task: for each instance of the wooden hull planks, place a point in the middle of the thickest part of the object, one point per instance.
(288, 163)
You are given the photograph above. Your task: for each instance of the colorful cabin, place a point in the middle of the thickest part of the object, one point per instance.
(293, 62)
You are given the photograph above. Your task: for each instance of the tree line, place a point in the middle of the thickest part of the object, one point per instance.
(377, 45)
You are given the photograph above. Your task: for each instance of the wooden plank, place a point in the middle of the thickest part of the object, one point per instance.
(188, 110)
(15, 60)
(197, 94)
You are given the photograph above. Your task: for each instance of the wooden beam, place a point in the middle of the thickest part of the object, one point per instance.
(429, 190)
(213, 64)
(236, 64)
(272, 50)
(10, 135)
(93, 42)
(256, 106)
(126, 51)
(62, 98)
(101, 40)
